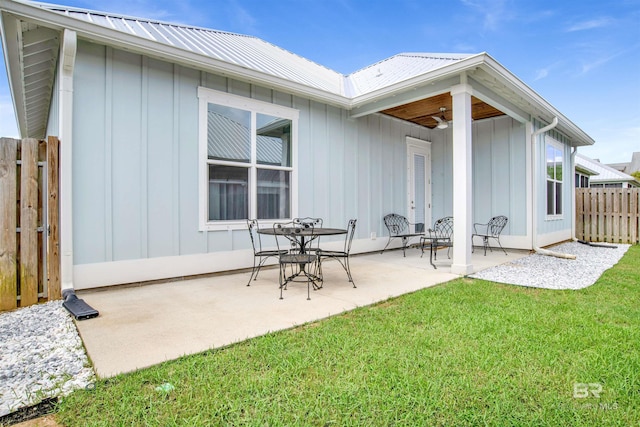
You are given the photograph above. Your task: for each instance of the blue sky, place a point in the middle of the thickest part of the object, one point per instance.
(581, 56)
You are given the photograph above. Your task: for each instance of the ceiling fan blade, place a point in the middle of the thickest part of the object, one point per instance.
(442, 124)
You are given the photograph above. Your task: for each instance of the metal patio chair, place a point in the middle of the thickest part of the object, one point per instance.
(490, 230)
(258, 253)
(400, 227)
(311, 244)
(441, 235)
(301, 263)
(341, 256)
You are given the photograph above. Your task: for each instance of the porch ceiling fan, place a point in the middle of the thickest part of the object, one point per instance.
(442, 122)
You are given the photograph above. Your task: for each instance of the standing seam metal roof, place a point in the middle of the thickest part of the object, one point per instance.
(256, 54)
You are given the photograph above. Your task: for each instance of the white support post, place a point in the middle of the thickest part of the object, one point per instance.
(462, 174)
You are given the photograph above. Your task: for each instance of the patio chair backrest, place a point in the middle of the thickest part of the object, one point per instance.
(252, 225)
(351, 228)
(308, 221)
(291, 231)
(396, 224)
(443, 228)
(496, 225)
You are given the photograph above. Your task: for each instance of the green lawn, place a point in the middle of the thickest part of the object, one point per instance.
(468, 352)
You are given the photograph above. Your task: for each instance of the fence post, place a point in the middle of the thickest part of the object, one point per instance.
(8, 214)
(53, 207)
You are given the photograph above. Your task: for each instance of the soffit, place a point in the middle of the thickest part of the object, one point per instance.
(421, 112)
(39, 49)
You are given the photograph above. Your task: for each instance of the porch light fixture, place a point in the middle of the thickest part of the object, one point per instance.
(442, 122)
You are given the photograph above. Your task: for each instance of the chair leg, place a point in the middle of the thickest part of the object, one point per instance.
(499, 244)
(253, 271)
(348, 268)
(431, 254)
(386, 246)
(281, 280)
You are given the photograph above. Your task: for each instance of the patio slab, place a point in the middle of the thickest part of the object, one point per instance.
(143, 325)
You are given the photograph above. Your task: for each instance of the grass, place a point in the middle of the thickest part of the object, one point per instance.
(468, 352)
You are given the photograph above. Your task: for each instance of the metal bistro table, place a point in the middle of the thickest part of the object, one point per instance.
(305, 233)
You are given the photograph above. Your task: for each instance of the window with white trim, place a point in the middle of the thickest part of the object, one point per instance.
(247, 167)
(554, 165)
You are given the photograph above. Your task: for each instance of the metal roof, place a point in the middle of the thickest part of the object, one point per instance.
(604, 173)
(246, 51)
(256, 61)
(398, 68)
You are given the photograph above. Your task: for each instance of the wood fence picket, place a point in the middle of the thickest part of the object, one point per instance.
(608, 215)
(29, 256)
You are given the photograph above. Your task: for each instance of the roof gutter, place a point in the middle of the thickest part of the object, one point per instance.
(534, 214)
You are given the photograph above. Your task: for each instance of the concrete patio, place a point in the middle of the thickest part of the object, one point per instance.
(143, 325)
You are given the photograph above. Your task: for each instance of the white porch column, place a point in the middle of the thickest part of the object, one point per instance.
(462, 174)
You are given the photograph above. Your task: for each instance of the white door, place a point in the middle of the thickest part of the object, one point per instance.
(419, 182)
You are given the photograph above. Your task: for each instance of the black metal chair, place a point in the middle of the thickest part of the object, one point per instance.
(441, 235)
(341, 256)
(490, 230)
(301, 263)
(258, 253)
(311, 244)
(400, 227)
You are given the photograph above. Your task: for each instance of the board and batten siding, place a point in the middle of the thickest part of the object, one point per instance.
(135, 163)
(553, 230)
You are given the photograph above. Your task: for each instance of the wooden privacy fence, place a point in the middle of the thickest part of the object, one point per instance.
(29, 254)
(608, 214)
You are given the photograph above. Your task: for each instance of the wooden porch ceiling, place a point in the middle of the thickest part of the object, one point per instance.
(420, 112)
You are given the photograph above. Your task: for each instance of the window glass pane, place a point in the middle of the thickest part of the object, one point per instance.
(558, 165)
(550, 161)
(558, 210)
(273, 139)
(228, 133)
(228, 192)
(273, 194)
(550, 197)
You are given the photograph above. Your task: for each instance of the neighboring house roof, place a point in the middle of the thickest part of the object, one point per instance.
(628, 167)
(605, 174)
(402, 78)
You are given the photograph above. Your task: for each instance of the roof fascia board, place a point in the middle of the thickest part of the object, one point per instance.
(483, 93)
(11, 48)
(132, 43)
(565, 125)
(410, 95)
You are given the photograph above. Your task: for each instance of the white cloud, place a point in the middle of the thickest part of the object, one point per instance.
(541, 74)
(590, 24)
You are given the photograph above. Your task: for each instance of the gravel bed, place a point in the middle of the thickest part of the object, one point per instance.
(41, 356)
(548, 272)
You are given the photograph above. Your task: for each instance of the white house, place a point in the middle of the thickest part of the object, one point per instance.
(172, 136)
(602, 176)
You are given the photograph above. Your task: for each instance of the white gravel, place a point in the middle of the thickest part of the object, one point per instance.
(41, 355)
(548, 272)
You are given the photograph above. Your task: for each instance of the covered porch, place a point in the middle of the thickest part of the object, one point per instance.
(142, 325)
